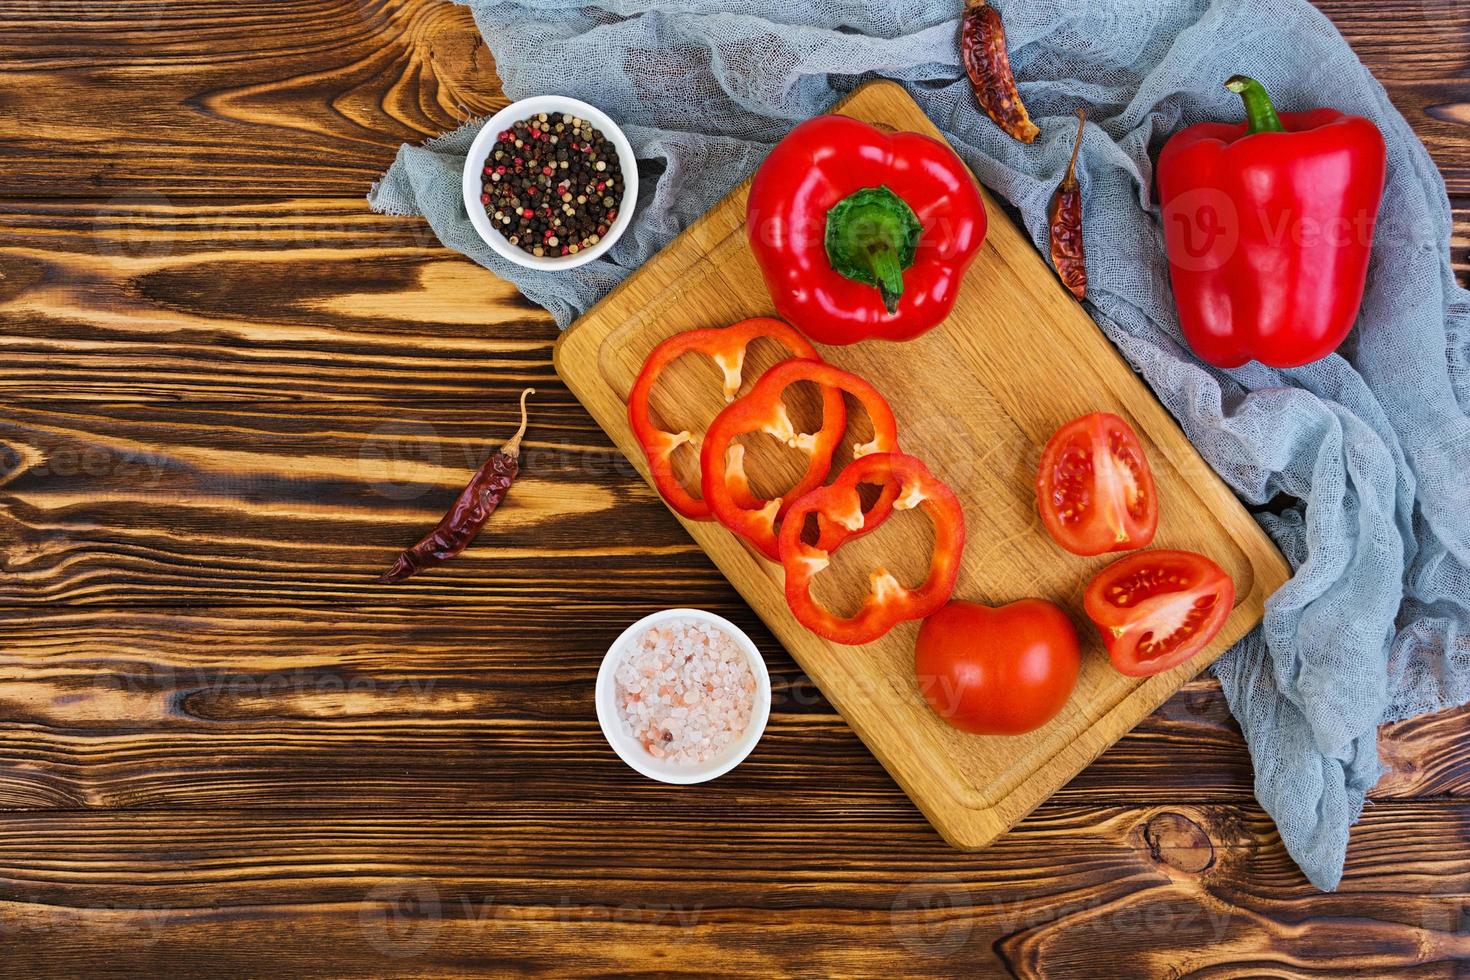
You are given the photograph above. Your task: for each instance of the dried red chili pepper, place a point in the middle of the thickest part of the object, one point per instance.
(988, 63)
(1065, 218)
(888, 602)
(472, 508)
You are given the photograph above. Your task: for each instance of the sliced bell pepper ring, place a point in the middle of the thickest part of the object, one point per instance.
(726, 346)
(722, 461)
(889, 602)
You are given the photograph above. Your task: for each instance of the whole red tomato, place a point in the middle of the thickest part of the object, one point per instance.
(997, 671)
(1157, 609)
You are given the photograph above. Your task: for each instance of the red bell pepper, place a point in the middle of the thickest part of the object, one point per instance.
(721, 459)
(889, 602)
(726, 347)
(860, 233)
(1268, 225)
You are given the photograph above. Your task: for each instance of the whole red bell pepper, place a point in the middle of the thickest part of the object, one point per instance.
(863, 234)
(1268, 226)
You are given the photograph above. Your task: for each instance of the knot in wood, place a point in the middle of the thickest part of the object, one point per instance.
(1178, 842)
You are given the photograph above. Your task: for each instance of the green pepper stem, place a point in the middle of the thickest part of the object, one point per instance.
(1260, 115)
(871, 237)
(883, 262)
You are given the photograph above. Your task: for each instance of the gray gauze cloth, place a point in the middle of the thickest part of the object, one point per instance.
(1371, 445)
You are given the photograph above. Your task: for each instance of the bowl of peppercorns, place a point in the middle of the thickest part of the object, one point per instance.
(550, 182)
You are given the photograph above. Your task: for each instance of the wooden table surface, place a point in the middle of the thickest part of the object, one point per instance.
(228, 394)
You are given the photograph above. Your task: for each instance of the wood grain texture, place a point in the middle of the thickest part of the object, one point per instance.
(298, 299)
(144, 299)
(1162, 891)
(308, 501)
(257, 97)
(239, 706)
(979, 385)
(228, 392)
(312, 98)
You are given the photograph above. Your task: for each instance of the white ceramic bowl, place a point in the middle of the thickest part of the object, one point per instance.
(484, 145)
(628, 748)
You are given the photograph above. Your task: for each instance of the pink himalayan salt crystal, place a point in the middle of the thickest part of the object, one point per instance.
(685, 691)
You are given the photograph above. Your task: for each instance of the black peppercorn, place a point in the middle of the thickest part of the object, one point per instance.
(530, 174)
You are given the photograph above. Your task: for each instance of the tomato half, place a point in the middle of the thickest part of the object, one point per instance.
(1156, 609)
(1094, 490)
(997, 671)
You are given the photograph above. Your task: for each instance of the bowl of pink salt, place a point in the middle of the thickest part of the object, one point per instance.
(683, 696)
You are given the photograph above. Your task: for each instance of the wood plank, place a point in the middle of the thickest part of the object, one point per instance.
(292, 300)
(1405, 40)
(307, 299)
(337, 707)
(594, 891)
(312, 99)
(242, 99)
(216, 253)
(980, 382)
(307, 502)
(275, 818)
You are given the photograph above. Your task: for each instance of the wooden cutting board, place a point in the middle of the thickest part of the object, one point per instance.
(976, 398)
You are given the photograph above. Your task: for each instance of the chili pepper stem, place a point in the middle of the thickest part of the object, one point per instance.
(1260, 114)
(512, 447)
(1069, 179)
